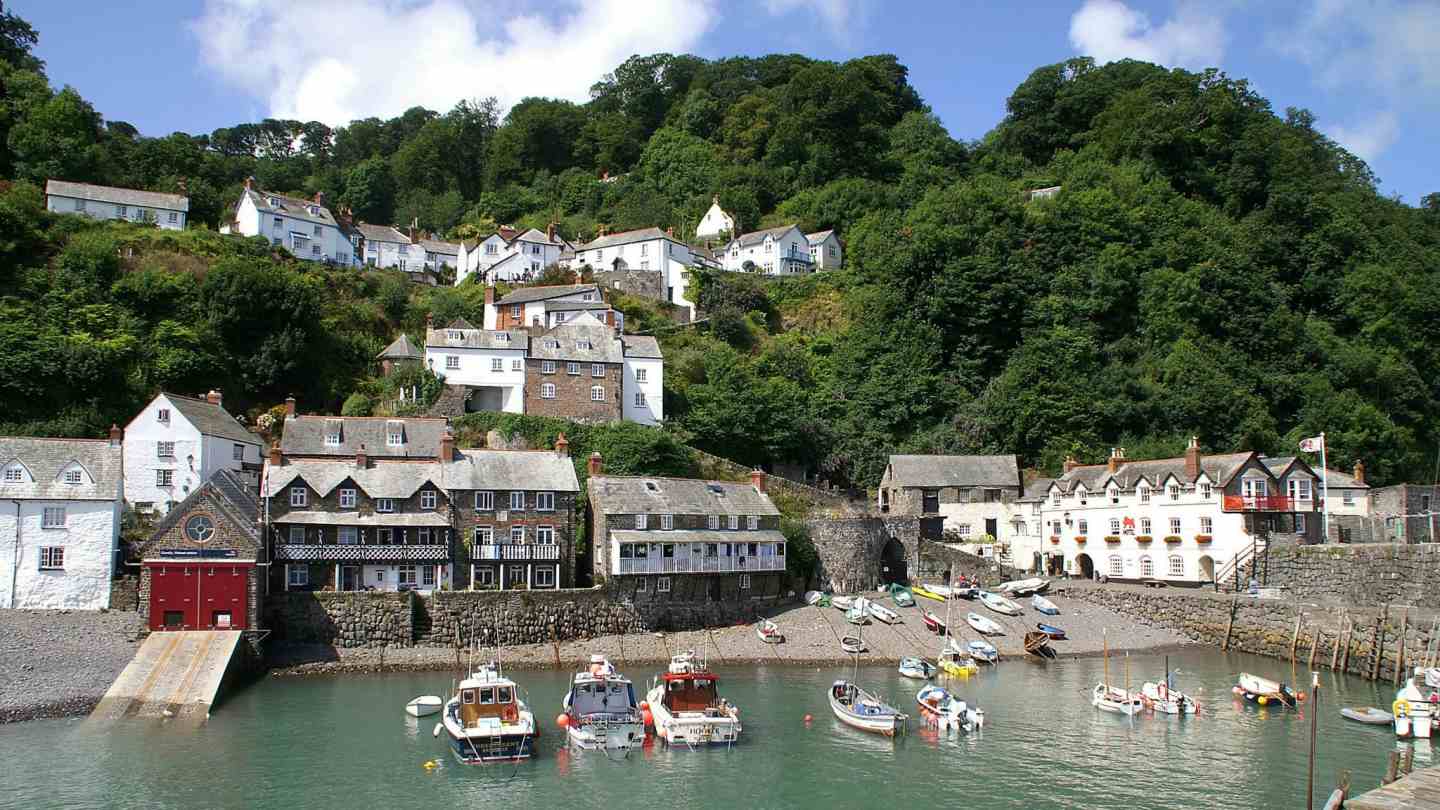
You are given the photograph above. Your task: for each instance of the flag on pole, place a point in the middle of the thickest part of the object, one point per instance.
(1312, 444)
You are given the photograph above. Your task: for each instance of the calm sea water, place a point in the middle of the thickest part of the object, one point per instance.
(345, 742)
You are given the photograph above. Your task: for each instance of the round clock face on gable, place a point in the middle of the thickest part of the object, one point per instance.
(200, 528)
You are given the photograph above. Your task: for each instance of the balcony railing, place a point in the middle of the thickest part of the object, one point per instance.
(516, 551)
(704, 565)
(349, 553)
(1266, 503)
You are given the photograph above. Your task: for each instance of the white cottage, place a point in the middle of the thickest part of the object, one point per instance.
(387, 247)
(490, 362)
(168, 211)
(306, 228)
(778, 251)
(60, 523)
(825, 250)
(715, 224)
(548, 306)
(509, 255)
(176, 443)
(647, 249)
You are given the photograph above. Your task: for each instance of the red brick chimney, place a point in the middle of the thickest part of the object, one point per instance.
(275, 457)
(597, 464)
(489, 294)
(184, 186)
(550, 232)
(670, 231)
(1359, 473)
(290, 407)
(213, 397)
(360, 459)
(1070, 463)
(115, 435)
(447, 445)
(757, 479)
(562, 445)
(1117, 457)
(319, 198)
(249, 183)
(1192, 458)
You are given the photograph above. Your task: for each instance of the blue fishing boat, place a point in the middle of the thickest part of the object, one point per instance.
(1051, 630)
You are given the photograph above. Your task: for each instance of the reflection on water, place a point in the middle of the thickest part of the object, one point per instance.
(343, 742)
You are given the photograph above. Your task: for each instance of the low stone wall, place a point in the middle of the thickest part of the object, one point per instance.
(369, 619)
(125, 593)
(1349, 637)
(1372, 574)
(849, 551)
(524, 617)
(936, 559)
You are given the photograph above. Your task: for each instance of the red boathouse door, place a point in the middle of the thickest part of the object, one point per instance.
(199, 595)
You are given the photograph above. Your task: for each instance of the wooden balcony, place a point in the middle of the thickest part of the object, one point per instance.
(1266, 503)
(350, 552)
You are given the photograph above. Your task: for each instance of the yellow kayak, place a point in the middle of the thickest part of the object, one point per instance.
(921, 590)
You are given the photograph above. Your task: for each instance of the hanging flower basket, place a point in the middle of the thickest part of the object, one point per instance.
(1202, 538)
(1143, 538)
(1054, 539)
(1174, 538)
(1112, 538)
(1080, 540)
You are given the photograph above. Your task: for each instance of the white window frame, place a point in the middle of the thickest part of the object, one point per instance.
(517, 500)
(667, 522)
(662, 585)
(1114, 525)
(395, 438)
(545, 535)
(347, 536)
(597, 393)
(1144, 492)
(1299, 524)
(744, 582)
(547, 390)
(1207, 524)
(517, 535)
(452, 361)
(1174, 490)
(484, 575)
(572, 369)
(165, 478)
(1116, 566)
(752, 522)
(640, 521)
(237, 452)
(1147, 566)
(517, 365)
(484, 500)
(543, 573)
(544, 502)
(348, 498)
(73, 477)
(497, 364)
(483, 535)
(1176, 525)
(165, 449)
(733, 522)
(1206, 490)
(712, 522)
(597, 370)
(14, 475)
(52, 517)
(640, 375)
(297, 535)
(1082, 527)
(291, 578)
(385, 505)
(1145, 526)
(1176, 565)
(639, 399)
(429, 499)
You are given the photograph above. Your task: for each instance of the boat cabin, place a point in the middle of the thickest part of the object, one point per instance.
(601, 697)
(484, 700)
(693, 691)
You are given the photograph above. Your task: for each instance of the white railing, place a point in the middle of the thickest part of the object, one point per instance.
(516, 551)
(311, 551)
(705, 565)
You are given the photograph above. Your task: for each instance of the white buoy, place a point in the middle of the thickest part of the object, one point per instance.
(436, 732)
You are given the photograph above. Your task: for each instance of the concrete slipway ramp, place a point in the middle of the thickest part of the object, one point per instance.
(175, 674)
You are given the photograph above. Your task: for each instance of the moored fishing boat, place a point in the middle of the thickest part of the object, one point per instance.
(486, 721)
(1043, 605)
(1414, 712)
(1051, 630)
(1264, 691)
(934, 623)
(1112, 699)
(860, 709)
(983, 651)
(983, 626)
(882, 613)
(918, 668)
(600, 709)
(925, 591)
(686, 707)
(901, 596)
(769, 631)
(945, 711)
(999, 604)
(1163, 697)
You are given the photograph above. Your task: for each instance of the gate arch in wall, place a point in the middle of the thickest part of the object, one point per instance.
(893, 567)
(1084, 566)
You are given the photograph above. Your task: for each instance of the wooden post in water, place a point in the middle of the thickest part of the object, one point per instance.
(1225, 645)
(1400, 647)
(1314, 712)
(1314, 642)
(1295, 640)
(1392, 768)
(1377, 642)
(1335, 652)
(1349, 633)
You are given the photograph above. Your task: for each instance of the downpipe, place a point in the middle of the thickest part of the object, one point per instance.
(15, 567)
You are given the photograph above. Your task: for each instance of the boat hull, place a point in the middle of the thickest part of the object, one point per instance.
(595, 736)
(1368, 715)
(693, 729)
(884, 723)
(1000, 604)
(1115, 701)
(984, 626)
(424, 706)
(506, 742)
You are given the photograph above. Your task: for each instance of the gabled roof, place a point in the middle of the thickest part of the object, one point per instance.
(1219, 469)
(383, 479)
(538, 236)
(401, 349)
(626, 237)
(583, 339)
(677, 496)
(381, 233)
(460, 323)
(44, 459)
(818, 237)
(1335, 478)
(525, 295)
(291, 207)
(211, 419)
(512, 469)
(472, 338)
(1038, 489)
(641, 346)
(120, 196)
(955, 471)
(756, 237)
(305, 436)
(232, 497)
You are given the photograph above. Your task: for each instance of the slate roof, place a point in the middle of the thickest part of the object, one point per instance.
(381, 233)
(1337, 479)
(643, 346)
(577, 306)
(818, 237)
(401, 349)
(563, 342)
(535, 235)
(756, 237)
(614, 495)
(543, 470)
(291, 207)
(314, 518)
(1037, 490)
(955, 471)
(1219, 469)
(237, 501)
(44, 459)
(525, 295)
(472, 338)
(625, 238)
(212, 420)
(438, 246)
(121, 196)
(305, 436)
(460, 323)
(382, 479)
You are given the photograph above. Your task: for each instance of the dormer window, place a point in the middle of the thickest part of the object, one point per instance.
(1206, 490)
(72, 477)
(395, 434)
(15, 474)
(1114, 495)
(587, 297)
(583, 345)
(272, 201)
(1055, 498)
(552, 343)
(502, 337)
(1144, 493)
(332, 438)
(455, 334)
(315, 210)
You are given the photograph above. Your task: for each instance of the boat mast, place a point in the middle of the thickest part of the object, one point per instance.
(1105, 642)
(945, 637)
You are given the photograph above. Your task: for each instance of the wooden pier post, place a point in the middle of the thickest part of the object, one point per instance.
(1314, 643)
(1377, 642)
(1392, 768)
(1400, 647)
(1295, 639)
(1230, 626)
(1349, 634)
(1335, 652)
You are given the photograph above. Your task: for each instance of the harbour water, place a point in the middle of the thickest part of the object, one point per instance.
(345, 742)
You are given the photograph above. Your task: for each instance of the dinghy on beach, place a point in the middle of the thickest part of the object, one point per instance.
(983, 651)
(769, 631)
(934, 623)
(901, 596)
(1043, 605)
(999, 604)
(917, 668)
(928, 592)
(1055, 633)
(983, 626)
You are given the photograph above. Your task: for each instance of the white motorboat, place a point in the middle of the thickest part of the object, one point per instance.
(941, 709)
(600, 709)
(882, 613)
(1413, 711)
(983, 626)
(425, 705)
(842, 602)
(917, 668)
(1043, 605)
(686, 707)
(1113, 699)
(858, 708)
(769, 631)
(1264, 691)
(486, 721)
(999, 604)
(1024, 587)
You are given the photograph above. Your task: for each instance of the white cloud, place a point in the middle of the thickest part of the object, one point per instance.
(1369, 138)
(1387, 45)
(837, 14)
(1108, 30)
(338, 60)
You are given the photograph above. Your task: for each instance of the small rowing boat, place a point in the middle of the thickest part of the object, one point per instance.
(1055, 633)
(1369, 715)
(1165, 698)
(917, 668)
(852, 645)
(999, 604)
(954, 661)
(842, 602)
(1264, 691)
(928, 592)
(769, 631)
(983, 651)
(1038, 644)
(933, 623)
(983, 626)
(424, 705)
(901, 596)
(857, 614)
(858, 708)
(1043, 605)
(817, 599)
(1025, 587)
(1111, 699)
(882, 613)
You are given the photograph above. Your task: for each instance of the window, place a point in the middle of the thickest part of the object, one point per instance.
(963, 530)
(452, 361)
(583, 344)
(428, 499)
(517, 501)
(597, 369)
(1349, 497)
(407, 576)
(1084, 526)
(347, 499)
(53, 517)
(1206, 490)
(1299, 489)
(752, 522)
(145, 507)
(572, 368)
(640, 375)
(640, 521)
(1082, 494)
(545, 535)
(1114, 495)
(79, 205)
(597, 393)
(1174, 492)
(395, 436)
(484, 501)
(544, 502)
(663, 585)
(514, 308)
(237, 452)
(1206, 525)
(297, 534)
(72, 476)
(517, 534)
(517, 365)
(712, 522)
(174, 217)
(1425, 503)
(744, 582)
(165, 449)
(1177, 565)
(547, 390)
(1299, 524)
(1145, 526)
(298, 576)
(1144, 494)
(545, 577)
(165, 478)
(1114, 525)
(733, 522)
(639, 399)
(485, 577)
(642, 585)
(484, 535)
(1174, 525)
(497, 364)
(667, 522)
(1147, 567)
(384, 505)
(427, 576)
(1055, 498)
(122, 211)
(1117, 566)
(14, 475)
(315, 251)
(547, 366)
(348, 536)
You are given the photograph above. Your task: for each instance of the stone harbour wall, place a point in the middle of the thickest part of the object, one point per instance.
(849, 551)
(1373, 574)
(366, 619)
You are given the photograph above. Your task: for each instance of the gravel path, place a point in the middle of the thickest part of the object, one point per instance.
(59, 663)
(812, 636)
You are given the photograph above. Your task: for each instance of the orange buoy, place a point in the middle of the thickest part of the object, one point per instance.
(562, 720)
(809, 718)
(644, 704)
(1299, 695)
(647, 717)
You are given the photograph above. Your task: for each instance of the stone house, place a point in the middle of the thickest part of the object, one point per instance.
(60, 522)
(1406, 513)
(200, 568)
(1348, 499)
(685, 540)
(971, 496)
(321, 437)
(175, 443)
(576, 371)
(168, 211)
(400, 353)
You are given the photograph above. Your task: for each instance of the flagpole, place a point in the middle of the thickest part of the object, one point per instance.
(1325, 486)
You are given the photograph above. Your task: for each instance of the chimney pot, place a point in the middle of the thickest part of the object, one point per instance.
(249, 183)
(550, 232)
(319, 198)
(670, 231)
(447, 444)
(275, 457)
(290, 407)
(1192, 458)
(360, 458)
(1359, 473)
(489, 295)
(429, 320)
(562, 445)
(757, 479)
(596, 465)
(115, 435)
(1070, 463)
(213, 397)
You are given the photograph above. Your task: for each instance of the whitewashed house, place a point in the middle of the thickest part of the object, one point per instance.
(781, 251)
(167, 211)
(509, 255)
(489, 362)
(306, 228)
(643, 389)
(647, 249)
(548, 306)
(825, 250)
(1184, 521)
(439, 254)
(60, 506)
(715, 224)
(386, 247)
(176, 443)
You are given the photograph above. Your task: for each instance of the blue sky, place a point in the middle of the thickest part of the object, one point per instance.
(1366, 68)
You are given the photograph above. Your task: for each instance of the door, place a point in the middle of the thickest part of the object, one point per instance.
(349, 577)
(992, 527)
(174, 594)
(893, 566)
(930, 501)
(199, 597)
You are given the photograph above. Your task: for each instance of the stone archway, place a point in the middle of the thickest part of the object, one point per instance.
(893, 566)
(1084, 566)
(1207, 568)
